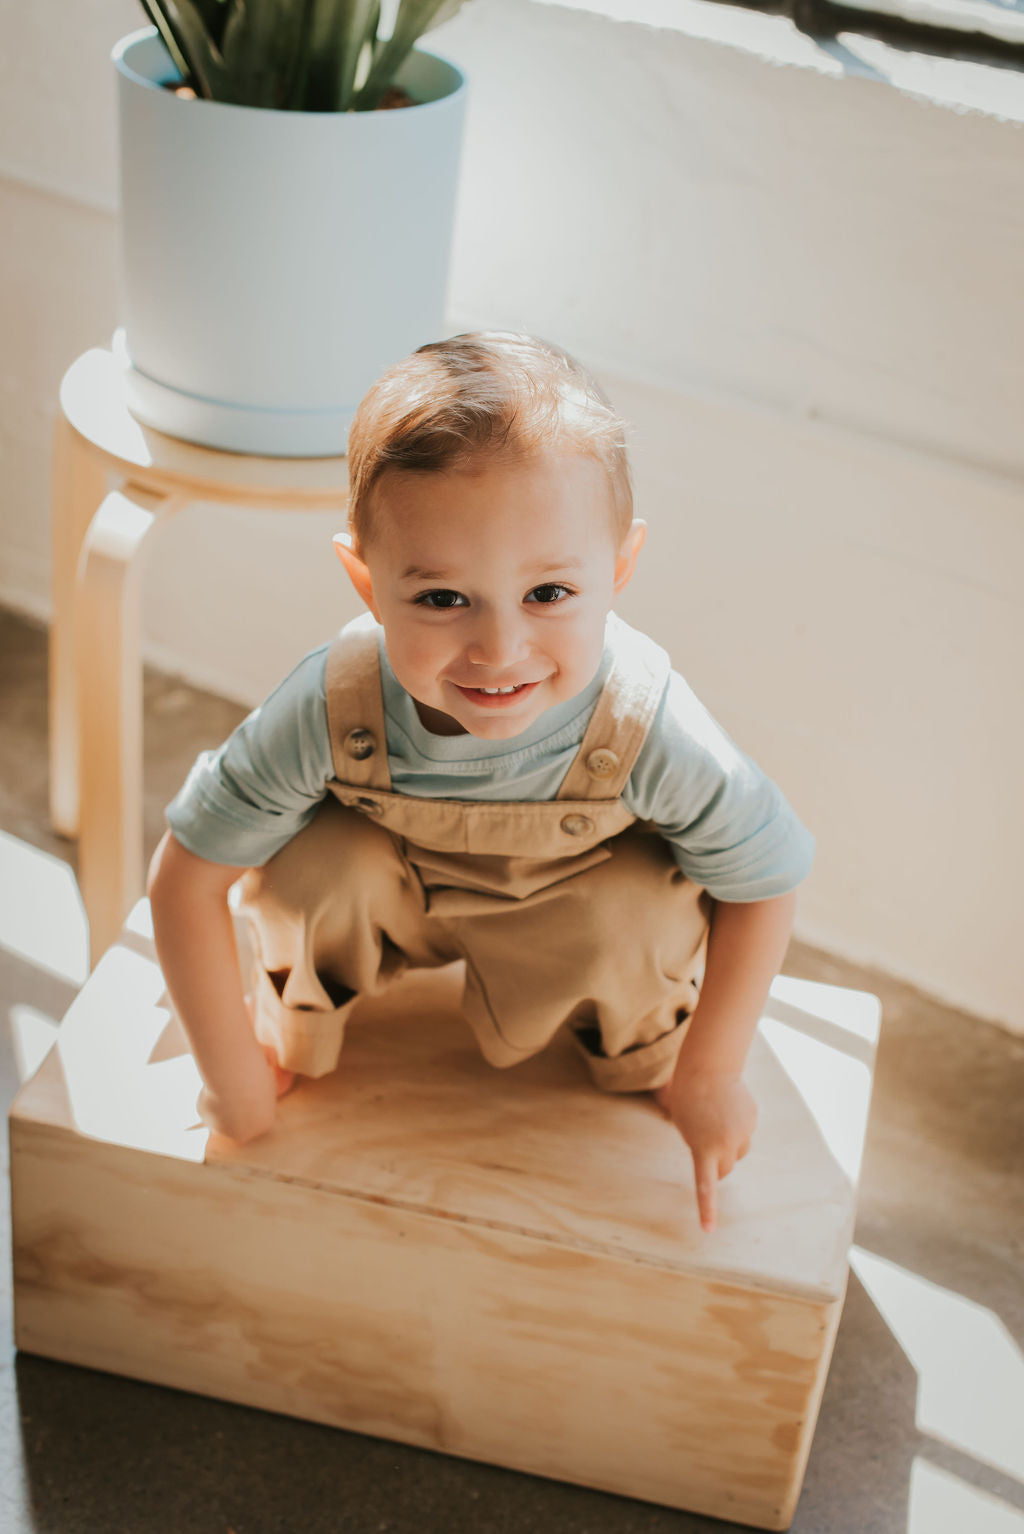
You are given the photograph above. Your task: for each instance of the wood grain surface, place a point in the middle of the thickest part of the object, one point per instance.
(505, 1265)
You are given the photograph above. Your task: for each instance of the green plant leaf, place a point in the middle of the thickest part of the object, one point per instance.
(448, 10)
(299, 55)
(337, 35)
(372, 41)
(192, 31)
(302, 57)
(175, 45)
(413, 19)
(261, 50)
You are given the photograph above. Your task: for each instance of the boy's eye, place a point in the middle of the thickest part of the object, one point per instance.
(553, 592)
(441, 600)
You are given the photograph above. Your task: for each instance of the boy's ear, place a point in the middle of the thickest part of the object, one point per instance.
(358, 570)
(625, 562)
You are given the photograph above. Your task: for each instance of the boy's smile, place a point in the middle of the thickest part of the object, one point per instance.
(492, 583)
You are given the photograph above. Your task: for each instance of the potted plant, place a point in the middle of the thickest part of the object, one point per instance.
(288, 180)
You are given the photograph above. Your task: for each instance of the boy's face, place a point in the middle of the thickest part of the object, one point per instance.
(494, 576)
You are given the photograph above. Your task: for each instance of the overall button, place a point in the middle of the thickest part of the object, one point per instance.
(368, 807)
(360, 744)
(577, 825)
(602, 763)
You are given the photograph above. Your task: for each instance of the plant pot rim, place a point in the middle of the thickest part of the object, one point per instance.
(133, 40)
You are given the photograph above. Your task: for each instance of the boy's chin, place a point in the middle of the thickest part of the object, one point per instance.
(480, 723)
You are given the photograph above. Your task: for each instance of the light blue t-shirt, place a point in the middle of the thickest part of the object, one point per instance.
(728, 825)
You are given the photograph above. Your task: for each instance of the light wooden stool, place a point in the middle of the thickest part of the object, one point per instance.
(115, 482)
(505, 1265)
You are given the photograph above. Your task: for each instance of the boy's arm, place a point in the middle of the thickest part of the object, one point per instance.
(195, 942)
(708, 1102)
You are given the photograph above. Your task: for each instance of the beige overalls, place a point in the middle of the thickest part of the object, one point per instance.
(568, 913)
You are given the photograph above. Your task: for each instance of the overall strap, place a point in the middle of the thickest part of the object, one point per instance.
(619, 724)
(355, 709)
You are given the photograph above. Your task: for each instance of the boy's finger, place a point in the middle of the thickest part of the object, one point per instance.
(706, 1173)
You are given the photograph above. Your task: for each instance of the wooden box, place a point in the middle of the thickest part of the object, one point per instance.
(505, 1265)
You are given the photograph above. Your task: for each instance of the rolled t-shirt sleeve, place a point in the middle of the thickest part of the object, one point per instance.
(729, 826)
(243, 802)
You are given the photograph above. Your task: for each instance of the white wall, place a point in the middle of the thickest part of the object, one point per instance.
(802, 287)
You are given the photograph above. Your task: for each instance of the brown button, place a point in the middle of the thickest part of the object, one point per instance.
(577, 825)
(602, 763)
(360, 744)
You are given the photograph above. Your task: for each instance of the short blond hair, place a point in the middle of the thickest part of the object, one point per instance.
(486, 392)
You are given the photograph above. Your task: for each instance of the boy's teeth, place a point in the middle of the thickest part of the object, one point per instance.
(502, 689)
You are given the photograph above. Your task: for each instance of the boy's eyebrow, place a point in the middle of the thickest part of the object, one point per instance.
(417, 573)
(547, 567)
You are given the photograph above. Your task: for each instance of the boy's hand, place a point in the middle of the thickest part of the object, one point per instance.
(243, 1119)
(716, 1116)
(283, 1080)
(248, 1110)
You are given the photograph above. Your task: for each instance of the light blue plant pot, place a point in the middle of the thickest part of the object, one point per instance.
(275, 263)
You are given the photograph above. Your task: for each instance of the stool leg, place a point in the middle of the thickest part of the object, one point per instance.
(79, 485)
(109, 688)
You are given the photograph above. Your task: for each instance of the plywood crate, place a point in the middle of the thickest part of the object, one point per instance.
(505, 1265)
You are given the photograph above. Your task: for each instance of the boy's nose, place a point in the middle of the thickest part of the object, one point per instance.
(498, 642)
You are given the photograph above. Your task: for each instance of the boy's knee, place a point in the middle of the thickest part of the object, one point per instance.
(639, 1067)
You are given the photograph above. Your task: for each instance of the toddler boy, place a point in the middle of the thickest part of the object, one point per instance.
(488, 766)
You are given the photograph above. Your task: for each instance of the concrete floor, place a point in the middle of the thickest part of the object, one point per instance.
(929, 1447)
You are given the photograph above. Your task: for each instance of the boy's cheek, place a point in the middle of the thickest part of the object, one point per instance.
(416, 665)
